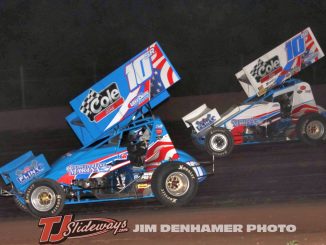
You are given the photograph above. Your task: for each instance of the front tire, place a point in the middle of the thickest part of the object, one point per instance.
(44, 198)
(311, 129)
(219, 142)
(174, 184)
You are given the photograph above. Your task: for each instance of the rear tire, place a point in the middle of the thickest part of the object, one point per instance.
(219, 142)
(44, 198)
(174, 184)
(20, 205)
(311, 129)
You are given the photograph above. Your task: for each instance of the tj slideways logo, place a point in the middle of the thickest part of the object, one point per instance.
(59, 228)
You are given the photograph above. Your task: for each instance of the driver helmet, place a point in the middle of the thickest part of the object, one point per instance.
(135, 135)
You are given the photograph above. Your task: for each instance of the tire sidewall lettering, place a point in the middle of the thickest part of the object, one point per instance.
(59, 204)
(187, 170)
(159, 180)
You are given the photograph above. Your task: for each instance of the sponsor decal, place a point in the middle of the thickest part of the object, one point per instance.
(265, 70)
(261, 90)
(96, 106)
(246, 122)
(88, 168)
(123, 156)
(302, 89)
(29, 172)
(139, 100)
(143, 186)
(205, 122)
(147, 176)
(159, 131)
(59, 228)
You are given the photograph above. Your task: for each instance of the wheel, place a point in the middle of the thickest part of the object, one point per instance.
(174, 184)
(44, 198)
(311, 129)
(219, 142)
(199, 142)
(19, 203)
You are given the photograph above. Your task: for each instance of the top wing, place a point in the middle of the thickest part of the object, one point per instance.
(142, 80)
(281, 63)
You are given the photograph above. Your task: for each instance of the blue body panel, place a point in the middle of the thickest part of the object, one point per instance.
(24, 169)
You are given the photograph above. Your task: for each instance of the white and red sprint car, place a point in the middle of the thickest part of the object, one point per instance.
(278, 108)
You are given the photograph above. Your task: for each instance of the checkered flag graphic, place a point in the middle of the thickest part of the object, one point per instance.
(85, 106)
(254, 71)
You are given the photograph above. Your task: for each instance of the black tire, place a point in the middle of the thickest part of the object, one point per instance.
(54, 198)
(311, 129)
(20, 205)
(219, 142)
(164, 189)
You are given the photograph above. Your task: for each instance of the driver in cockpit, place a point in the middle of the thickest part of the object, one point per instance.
(137, 148)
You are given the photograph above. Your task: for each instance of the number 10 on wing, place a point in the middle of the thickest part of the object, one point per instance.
(295, 47)
(139, 70)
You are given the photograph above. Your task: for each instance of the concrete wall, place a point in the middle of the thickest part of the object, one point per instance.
(171, 110)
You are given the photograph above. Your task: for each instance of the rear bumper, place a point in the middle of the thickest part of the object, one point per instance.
(5, 191)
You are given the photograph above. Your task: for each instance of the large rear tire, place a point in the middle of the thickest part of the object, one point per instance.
(174, 184)
(219, 142)
(311, 129)
(20, 205)
(44, 198)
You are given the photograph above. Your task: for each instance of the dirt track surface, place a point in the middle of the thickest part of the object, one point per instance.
(256, 182)
(309, 219)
